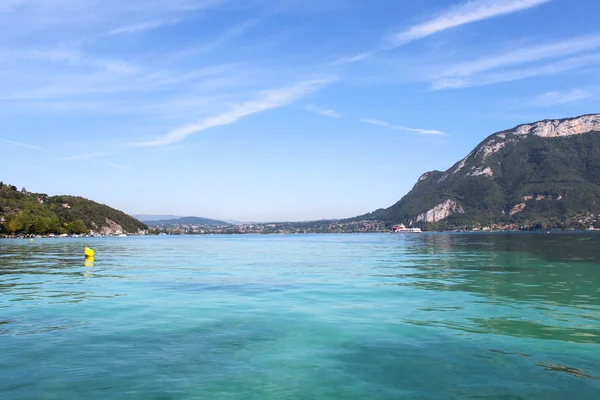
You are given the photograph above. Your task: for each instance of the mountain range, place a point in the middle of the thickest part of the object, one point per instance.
(151, 217)
(179, 221)
(540, 175)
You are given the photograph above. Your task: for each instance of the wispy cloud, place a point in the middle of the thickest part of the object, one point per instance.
(24, 145)
(465, 13)
(375, 122)
(517, 74)
(112, 165)
(265, 100)
(88, 156)
(326, 112)
(93, 157)
(462, 14)
(223, 38)
(137, 28)
(526, 55)
(386, 124)
(556, 98)
(77, 58)
(97, 158)
(420, 131)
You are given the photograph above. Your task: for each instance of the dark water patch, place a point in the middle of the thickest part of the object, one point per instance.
(441, 308)
(510, 327)
(520, 328)
(579, 373)
(239, 289)
(508, 353)
(38, 325)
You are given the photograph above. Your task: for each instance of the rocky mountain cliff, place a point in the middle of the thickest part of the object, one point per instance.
(540, 175)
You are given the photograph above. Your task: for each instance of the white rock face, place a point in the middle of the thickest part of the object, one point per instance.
(493, 146)
(440, 212)
(481, 171)
(517, 209)
(462, 163)
(556, 128)
(111, 228)
(457, 169)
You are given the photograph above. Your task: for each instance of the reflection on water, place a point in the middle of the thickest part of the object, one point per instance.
(302, 316)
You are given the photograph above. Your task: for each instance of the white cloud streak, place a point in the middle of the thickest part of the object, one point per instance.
(137, 28)
(225, 37)
(80, 59)
(326, 112)
(112, 165)
(94, 157)
(375, 122)
(24, 145)
(265, 100)
(526, 55)
(420, 131)
(519, 74)
(556, 98)
(88, 156)
(386, 124)
(462, 14)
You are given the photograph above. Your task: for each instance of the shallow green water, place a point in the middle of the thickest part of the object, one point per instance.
(381, 316)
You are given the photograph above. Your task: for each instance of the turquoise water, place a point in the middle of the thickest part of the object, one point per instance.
(368, 316)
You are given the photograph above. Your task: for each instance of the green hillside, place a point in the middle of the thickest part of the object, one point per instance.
(22, 212)
(544, 175)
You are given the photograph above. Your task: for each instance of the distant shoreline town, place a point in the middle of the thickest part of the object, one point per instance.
(287, 228)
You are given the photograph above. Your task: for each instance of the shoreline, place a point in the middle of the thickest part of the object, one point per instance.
(540, 231)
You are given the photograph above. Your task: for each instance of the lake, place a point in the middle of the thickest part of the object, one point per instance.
(356, 316)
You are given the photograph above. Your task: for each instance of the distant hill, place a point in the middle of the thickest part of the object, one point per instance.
(37, 213)
(171, 223)
(150, 217)
(539, 176)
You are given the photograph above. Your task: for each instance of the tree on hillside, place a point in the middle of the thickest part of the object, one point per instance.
(77, 227)
(11, 225)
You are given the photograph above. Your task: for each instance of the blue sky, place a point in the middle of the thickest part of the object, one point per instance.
(276, 110)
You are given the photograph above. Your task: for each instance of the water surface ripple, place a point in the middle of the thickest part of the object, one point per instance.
(368, 316)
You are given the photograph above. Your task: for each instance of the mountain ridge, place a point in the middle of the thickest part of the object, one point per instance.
(187, 221)
(544, 174)
(152, 217)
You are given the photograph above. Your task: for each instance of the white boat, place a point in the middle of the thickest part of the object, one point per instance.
(403, 229)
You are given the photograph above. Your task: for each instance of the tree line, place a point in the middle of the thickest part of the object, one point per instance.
(28, 223)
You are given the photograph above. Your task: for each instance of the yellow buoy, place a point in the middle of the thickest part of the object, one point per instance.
(89, 253)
